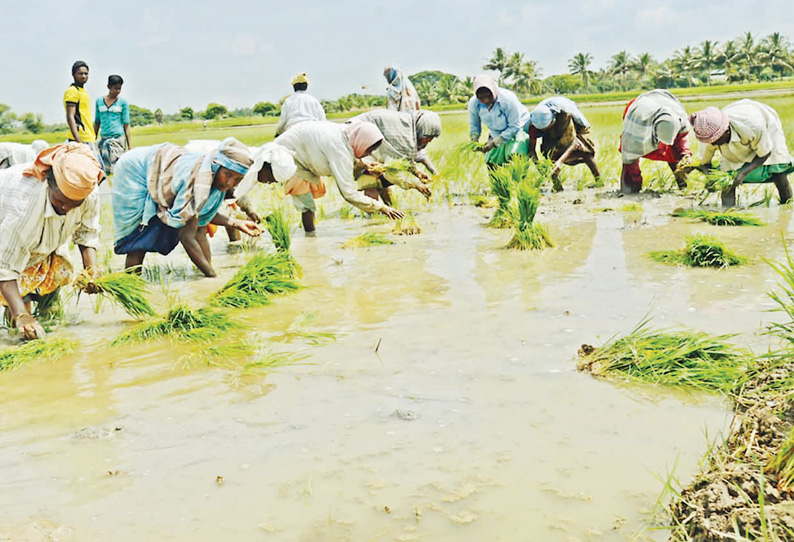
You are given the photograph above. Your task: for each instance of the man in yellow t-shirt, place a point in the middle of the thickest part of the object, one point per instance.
(78, 106)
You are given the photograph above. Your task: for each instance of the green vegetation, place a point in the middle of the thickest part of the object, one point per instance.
(262, 277)
(279, 229)
(367, 240)
(528, 234)
(700, 251)
(406, 226)
(181, 324)
(682, 358)
(49, 349)
(719, 218)
(128, 290)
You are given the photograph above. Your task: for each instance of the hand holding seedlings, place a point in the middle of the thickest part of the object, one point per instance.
(249, 227)
(392, 213)
(29, 327)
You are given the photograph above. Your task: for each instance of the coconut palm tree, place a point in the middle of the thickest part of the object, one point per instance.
(427, 92)
(776, 53)
(448, 90)
(580, 65)
(707, 56)
(499, 62)
(621, 65)
(642, 64)
(748, 53)
(684, 61)
(526, 77)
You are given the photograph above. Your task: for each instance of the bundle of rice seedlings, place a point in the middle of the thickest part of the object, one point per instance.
(223, 355)
(503, 179)
(718, 180)
(49, 308)
(393, 167)
(684, 358)
(719, 218)
(700, 251)
(181, 324)
(278, 227)
(468, 147)
(128, 290)
(367, 240)
(407, 226)
(297, 331)
(781, 465)
(263, 276)
(544, 168)
(631, 208)
(41, 350)
(528, 235)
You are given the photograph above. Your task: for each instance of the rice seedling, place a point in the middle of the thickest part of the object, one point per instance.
(297, 331)
(218, 355)
(781, 465)
(407, 226)
(278, 227)
(392, 167)
(127, 290)
(346, 212)
(784, 299)
(501, 186)
(528, 234)
(682, 358)
(263, 276)
(369, 239)
(631, 208)
(49, 308)
(718, 180)
(181, 324)
(468, 147)
(267, 362)
(40, 350)
(719, 218)
(485, 202)
(700, 251)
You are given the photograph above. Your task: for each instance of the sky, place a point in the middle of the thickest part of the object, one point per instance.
(173, 54)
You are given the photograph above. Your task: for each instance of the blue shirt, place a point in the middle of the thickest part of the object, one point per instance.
(566, 105)
(132, 204)
(504, 119)
(112, 119)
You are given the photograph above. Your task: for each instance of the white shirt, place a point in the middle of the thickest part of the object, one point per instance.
(299, 107)
(321, 149)
(31, 230)
(756, 131)
(16, 153)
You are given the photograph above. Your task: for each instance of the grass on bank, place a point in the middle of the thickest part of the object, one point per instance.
(700, 251)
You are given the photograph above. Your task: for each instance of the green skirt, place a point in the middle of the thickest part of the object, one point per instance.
(502, 154)
(764, 173)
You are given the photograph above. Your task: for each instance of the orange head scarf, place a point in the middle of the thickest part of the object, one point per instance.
(77, 172)
(362, 136)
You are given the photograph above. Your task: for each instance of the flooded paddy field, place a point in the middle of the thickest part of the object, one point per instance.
(429, 391)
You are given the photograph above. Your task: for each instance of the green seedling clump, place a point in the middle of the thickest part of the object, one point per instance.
(128, 290)
(719, 218)
(407, 226)
(40, 350)
(278, 227)
(367, 240)
(262, 276)
(528, 234)
(700, 251)
(181, 324)
(718, 181)
(684, 358)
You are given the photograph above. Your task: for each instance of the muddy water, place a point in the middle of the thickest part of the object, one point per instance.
(469, 423)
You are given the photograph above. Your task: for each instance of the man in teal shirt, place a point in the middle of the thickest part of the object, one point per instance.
(113, 119)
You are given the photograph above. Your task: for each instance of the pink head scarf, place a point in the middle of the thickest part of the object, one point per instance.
(362, 136)
(485, 81)
(709, 124)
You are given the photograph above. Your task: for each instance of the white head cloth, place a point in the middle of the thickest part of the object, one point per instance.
(280, 160)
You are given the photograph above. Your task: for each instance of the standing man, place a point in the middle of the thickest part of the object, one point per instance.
(113, 119)
(300, 106)
(78, 109)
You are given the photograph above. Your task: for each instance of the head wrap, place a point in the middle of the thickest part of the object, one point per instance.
(362, 136)
(541, 117)
(486, 82)
(709, 124)
(75, 168)
(232, 155)
(300, 78)
(281, 163)
(428, 124)
(390, 72)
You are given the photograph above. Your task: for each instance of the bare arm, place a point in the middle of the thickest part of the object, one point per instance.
(89, 257)
(71, 109)
(97, 124)
(533, 144)
(187, 236)
(26, 324)
(246, 226)
(746, 170)
(128, 136)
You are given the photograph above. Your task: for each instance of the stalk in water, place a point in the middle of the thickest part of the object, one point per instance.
(263, 276)
(128, 290)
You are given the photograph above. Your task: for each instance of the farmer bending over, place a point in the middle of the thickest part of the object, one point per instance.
(751, 140)
(504, 115)
(654, 127)
(43, 206)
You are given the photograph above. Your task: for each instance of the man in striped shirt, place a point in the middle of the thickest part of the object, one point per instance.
(43, 206)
